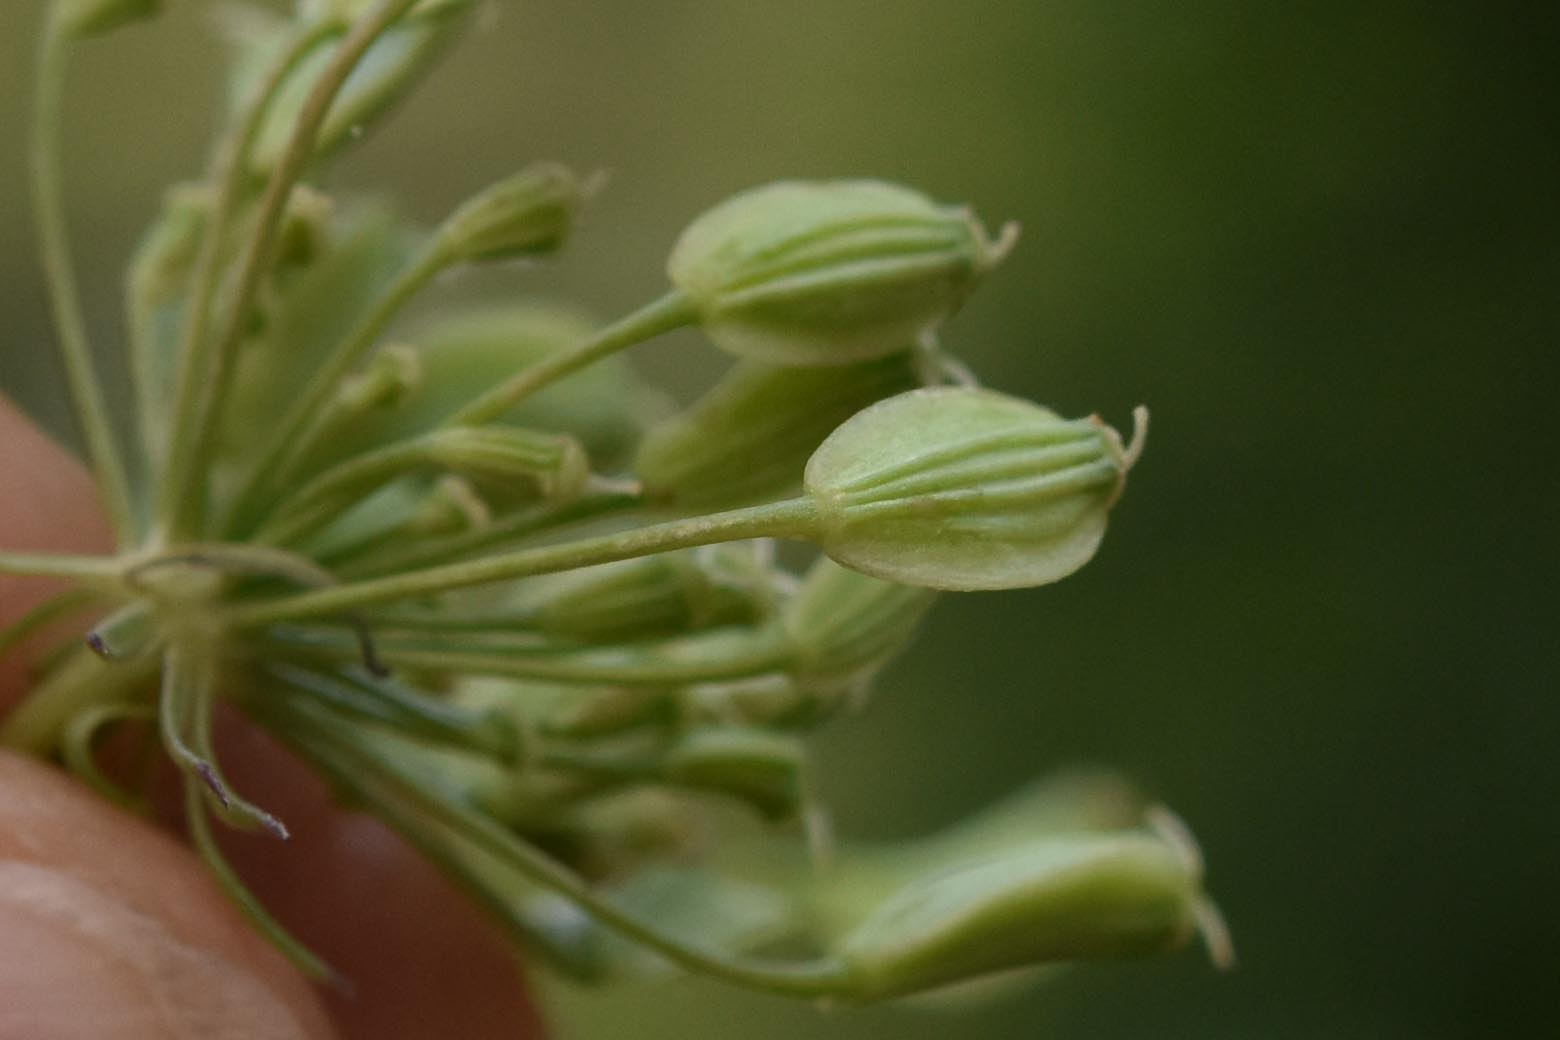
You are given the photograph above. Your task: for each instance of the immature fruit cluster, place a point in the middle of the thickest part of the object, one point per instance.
(509, 598)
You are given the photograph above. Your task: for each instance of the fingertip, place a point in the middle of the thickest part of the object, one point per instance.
(75, 961)
(99, 911)
(47, 504)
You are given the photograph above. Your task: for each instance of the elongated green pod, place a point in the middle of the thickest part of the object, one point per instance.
(958, 488)
(829, 272)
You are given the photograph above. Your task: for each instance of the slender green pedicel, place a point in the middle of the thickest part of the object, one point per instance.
(492, 586)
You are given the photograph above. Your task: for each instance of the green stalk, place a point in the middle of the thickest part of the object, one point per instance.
(206, 374)
(301, 957)
(488, 881)
(44, 614)
(327, 495)
(229, 172)
(412, 714)
(763, 653)
(514, 527)
(88, 569)
(300, 429)
(184, 717)
(373, 778)
(77, 750)
(84, 680)
(86, 390)
(793, 519)
(672, 311)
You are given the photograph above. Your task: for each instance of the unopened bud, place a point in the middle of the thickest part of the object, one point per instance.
(451, 506)
(957, 488)
(306, 227)
(656, 595)
(80, 18)
(756, 766)
(1055, 899)
(750, 436)
(842, 623)
(389, 378)
(525, 215)
(504, 455)
(829, 272)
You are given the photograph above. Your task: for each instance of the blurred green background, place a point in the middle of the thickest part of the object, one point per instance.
(1321, 240)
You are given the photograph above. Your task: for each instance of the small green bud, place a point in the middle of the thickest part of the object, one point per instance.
(505, 454)
(584, 712)
(389, 378)
(1054, 899)
(957, 488)
(656, 595)
(81, 18)
(605, 405)
(761, 768)
(829, 272)
(305, 231)
(763, 700)
(126, 634)
(842, 623)
(451, 506)
(750, 436)
(524, 215)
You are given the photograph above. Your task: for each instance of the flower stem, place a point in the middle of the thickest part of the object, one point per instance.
(373, 778)
(195, 818)
(230, 175)
(92, 569)
(108, 468)
(792, 519)
(206, 375)
(672, 311)
(681, 663)
(84, 680)
(513, 527)
(46, 613)
(300, 429)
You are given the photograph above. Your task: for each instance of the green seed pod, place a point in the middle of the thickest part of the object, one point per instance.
(958, 488)
(761, 768)
(524, 215)
(842, 623)
(1055, 899)
(750, 436)
(82, 18)
(387, 71)
(829, 272)
(503, 455)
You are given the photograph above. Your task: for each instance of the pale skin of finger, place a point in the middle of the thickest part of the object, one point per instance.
(147, 921)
